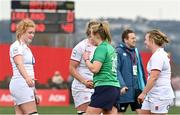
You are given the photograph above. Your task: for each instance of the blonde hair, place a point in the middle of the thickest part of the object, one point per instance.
(103, 30)
(22, 27)
(89, 24)
(159, 37)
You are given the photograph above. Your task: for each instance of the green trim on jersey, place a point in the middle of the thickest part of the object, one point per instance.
(107, 76)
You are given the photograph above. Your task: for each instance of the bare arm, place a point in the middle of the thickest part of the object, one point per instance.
(150, 83)
(73, 71)
(94, 67)
(18, 60)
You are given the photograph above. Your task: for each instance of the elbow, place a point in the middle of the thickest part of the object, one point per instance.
(94, 70)
(71, 69)
(154, 79)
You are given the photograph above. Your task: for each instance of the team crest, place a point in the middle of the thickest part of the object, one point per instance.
(15, 50)
(124, 54)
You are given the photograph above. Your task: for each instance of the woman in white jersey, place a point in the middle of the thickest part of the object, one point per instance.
(82, 85)
(22, 86)
(158, 95)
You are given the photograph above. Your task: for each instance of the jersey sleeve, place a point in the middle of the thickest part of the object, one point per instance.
(157, 62)
(16, 50)
(77, 52)
(100, 54)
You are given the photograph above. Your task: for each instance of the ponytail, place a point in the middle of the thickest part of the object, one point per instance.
(107, 31)
(103, 30)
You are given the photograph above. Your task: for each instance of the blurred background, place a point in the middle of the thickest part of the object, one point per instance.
(61, 25)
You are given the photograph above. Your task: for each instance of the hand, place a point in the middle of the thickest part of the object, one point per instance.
(89, 84)
(35, 79)
(30, 82)
(86, 55)
(37, 99)
(123, 90)
(141, 98)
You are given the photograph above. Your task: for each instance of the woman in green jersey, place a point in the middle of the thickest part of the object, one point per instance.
(103, 65)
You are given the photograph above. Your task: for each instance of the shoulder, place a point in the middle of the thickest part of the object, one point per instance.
(15, 45)
(120, 48)
(16, 48)
(160, 53)
(81, 45)
(102, 47)
(158, 56)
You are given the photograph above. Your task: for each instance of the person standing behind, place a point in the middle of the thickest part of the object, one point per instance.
(130, 72)
(82, 85)
(22, 86)
(56, 80)
(103, 65)
(157, 96)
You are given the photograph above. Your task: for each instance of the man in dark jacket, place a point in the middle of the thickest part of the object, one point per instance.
(130, 72)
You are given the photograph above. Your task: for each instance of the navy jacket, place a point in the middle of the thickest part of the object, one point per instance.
(126, 58)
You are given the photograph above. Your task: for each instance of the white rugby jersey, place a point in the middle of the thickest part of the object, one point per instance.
(83, 70)
(19, 48)
(162, 88)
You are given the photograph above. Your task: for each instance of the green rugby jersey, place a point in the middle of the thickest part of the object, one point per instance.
(107, 76)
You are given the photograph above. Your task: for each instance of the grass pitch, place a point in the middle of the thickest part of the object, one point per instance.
(69, 110)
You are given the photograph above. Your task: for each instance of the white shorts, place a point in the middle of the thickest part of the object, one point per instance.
(80, 97)
(157, 105)
(20, 91)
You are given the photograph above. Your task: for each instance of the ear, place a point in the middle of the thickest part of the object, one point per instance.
(125, 40)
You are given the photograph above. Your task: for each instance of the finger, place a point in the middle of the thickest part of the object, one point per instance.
(34, 79)
(37, 100)
(126, 89)
(91, 84)
(139, 101)
(122, 93)
(31, 83)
